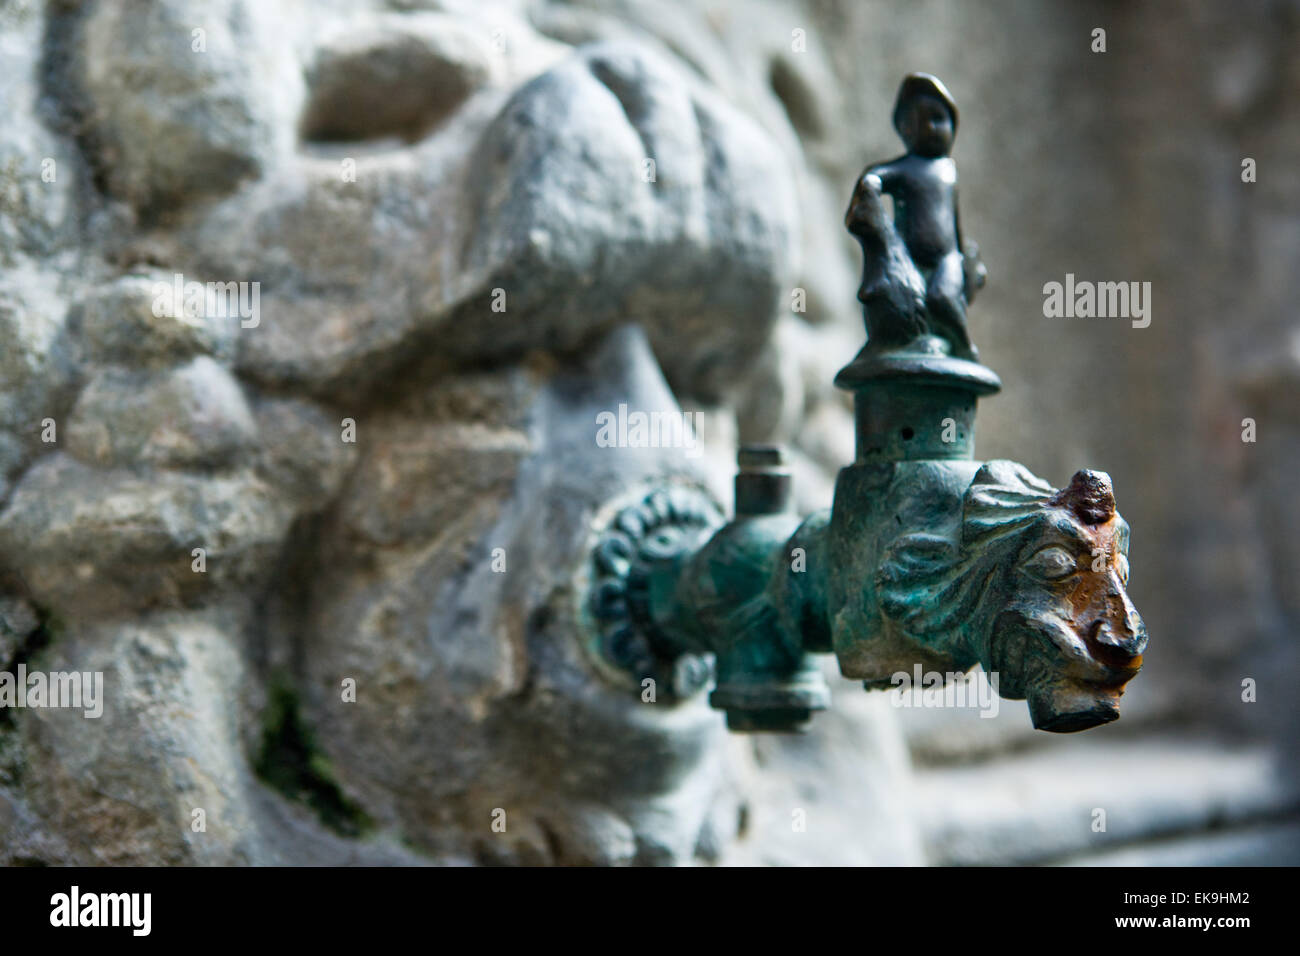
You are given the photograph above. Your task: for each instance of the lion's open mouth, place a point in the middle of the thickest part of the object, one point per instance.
(1068, 707)
(1072, 682)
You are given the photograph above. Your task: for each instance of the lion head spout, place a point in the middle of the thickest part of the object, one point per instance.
(1034, 587)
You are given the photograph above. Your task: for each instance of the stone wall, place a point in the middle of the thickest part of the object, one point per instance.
(388, 467)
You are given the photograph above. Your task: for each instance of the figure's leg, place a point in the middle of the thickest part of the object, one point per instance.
(945, 302)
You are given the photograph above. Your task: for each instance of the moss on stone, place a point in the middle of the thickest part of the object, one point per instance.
(291, 762)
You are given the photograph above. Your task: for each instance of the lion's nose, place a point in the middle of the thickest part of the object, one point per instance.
(1122, 639)
(1118, 639)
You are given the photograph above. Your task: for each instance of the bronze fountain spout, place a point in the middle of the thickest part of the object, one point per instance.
(926, 558)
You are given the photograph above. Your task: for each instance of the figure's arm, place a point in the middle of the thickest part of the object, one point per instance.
(886, 174)
(956, 219)
(874, 182)
(973, 267)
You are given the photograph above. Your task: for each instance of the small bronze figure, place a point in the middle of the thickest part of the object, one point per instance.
(917, 277)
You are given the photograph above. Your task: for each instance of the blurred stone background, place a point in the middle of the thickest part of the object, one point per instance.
(380, 169)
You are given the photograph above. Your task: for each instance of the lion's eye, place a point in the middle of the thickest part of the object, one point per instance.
(1121, 568)
(1051, 563)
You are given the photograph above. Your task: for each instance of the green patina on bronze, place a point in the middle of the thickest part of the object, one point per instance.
(926, 557)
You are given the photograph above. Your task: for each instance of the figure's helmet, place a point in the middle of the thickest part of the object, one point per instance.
(916, 85)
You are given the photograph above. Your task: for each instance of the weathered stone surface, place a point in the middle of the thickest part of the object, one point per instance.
(89, 542)
(119, 323)
(700, 253)
(121, 788)
(387, 501)
(18, 619)
(1263, 845)
(36, 372)
(1043, 806)
(183, 104)
(394, 75)
(839, 796)
(40, 171)
(301, 451)
(532, 248)
(192, 417)
(466, 668)
(382, 170)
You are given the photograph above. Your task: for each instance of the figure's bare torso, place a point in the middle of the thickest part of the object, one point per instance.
(925, 205)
